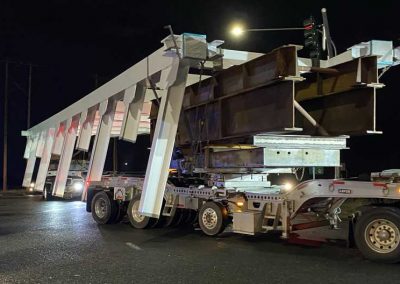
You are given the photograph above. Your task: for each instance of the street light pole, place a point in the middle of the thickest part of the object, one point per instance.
(28, 120)
(5, 150)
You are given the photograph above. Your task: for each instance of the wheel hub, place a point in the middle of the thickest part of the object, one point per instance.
(135, 212)
(210, 218)
(100, 207)
(382, 236)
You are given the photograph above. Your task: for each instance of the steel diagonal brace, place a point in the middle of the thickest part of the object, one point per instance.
(320, 129)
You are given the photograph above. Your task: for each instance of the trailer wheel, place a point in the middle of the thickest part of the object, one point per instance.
(377, 234)
(104, 209)
(171, 221)
(191, 217)
(137, 220)
(180, 217)
(159, 223)
(213, 218)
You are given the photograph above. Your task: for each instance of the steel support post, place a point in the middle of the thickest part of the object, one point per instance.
(45, 160)
(162, 146)
(100, 146)
(30, 165)
(59, 139)
(133, 101)
(28, 147)
(66, 156)
(40, 145)
(87, 121)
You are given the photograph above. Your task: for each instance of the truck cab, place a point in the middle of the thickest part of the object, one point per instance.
(75, 181)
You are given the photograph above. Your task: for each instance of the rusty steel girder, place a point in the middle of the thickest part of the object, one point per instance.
(242, 100)
(268, 108)
(258, 97)
(269, 95)
(346, 113)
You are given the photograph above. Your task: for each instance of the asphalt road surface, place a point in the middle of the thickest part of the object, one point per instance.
(58, 242)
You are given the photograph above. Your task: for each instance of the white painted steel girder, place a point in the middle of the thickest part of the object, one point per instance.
(27, 151)
(120, 108)
(59, 138)
(154, 63)
(133, 101)
(150, 65)
(30, 164)
(40, 145)
(45, 160)
(162, 146)
(102, 139)
(66, 155)
(87, 125)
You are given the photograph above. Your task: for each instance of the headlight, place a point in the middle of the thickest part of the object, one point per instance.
(287, 186)
(78, 186)
(32, 184)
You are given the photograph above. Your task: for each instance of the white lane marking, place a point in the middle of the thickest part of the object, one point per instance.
(133, 246)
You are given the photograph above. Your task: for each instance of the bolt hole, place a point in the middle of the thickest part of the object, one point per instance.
(288, 153)
(278, 152)
(306, 153)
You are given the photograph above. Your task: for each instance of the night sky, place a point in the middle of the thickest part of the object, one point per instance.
(73, 45)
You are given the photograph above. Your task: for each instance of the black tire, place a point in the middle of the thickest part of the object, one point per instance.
(189, 216)
(168, 221)
(104, 208)
(195, 219)
(122, 209)
(138, 221)
(46, 194)
(160, 221)
(180, 217)
(377, 234)
(213, 218)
